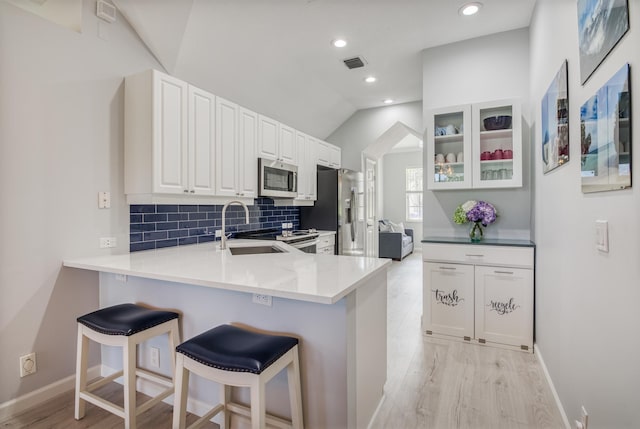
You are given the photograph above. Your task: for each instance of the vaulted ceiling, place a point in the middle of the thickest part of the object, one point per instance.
(275, 56)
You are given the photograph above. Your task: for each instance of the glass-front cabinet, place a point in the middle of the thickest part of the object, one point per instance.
(448, 140)
(475, 146)
(497, 135)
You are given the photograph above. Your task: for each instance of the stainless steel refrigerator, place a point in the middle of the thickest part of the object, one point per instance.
(340, 208)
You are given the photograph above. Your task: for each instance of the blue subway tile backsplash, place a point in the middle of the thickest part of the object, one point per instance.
(164, 225)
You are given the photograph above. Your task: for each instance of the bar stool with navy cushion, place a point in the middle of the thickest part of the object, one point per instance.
(233, 356)
(126, 326)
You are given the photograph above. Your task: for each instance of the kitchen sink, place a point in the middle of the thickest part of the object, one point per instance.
(255, 250)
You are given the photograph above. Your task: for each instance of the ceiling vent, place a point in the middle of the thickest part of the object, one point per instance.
(355, 62)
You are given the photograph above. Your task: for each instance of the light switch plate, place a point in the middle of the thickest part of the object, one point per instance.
(104, 200)
(602, 235)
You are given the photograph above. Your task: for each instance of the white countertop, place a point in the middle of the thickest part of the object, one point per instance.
(323, 279)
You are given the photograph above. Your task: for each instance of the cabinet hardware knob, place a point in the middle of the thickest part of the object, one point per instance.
(185, 191)
(192, 191)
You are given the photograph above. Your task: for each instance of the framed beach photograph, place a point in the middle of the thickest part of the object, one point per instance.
(605, 136)
(555, 122)
(601, 25)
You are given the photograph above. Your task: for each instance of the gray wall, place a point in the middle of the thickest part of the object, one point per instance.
(365, 126)
(394, 188)
(61, 133)
(587, 314)
(488, 68)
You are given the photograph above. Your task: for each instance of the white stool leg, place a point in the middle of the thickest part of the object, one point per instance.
(174, 340)
(295, 390)
(82, 351)
(181, 383)
(258, 409)
(129, 367)
(225, 395)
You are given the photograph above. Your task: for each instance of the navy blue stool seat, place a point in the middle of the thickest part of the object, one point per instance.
(126, 326)
(125, 319)
(233, 356)
(231, 348)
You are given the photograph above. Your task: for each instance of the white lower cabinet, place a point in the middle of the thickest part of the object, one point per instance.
(448, 294)
(504, 306)
(326, 243)
(481, 294)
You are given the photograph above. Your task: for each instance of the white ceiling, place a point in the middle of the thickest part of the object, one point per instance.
(275, 56)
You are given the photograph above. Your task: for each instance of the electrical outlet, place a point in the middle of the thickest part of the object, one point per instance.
(218, 233)
(122, 278)
(262, 299)
(155, 357)
(585, 417)
(106, 242)
(28, 364)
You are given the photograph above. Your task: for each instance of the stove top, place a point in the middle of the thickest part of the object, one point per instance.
(276, 234)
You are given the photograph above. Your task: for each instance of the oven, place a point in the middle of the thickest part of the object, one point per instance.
(306, 246)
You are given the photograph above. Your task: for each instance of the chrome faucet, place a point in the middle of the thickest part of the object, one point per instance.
(223, 237)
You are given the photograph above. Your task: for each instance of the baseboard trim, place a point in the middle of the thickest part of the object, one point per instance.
(16, 406)
(377, 410)
(537, 353)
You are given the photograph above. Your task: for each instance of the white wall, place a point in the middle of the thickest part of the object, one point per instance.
(365, 126)
(394, 187)
(61, 134)
(488, 68)
(587, 314)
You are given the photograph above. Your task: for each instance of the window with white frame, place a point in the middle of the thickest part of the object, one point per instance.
(414, 194)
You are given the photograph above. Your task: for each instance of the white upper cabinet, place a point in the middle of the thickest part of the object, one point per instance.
(248, 156)
(287, 145)
(201, 138)
(268, 137)
(335, 159)
(475, 146)
(170, 145)
(329, 155)
(276, 141)
(227, 155)
(236, 160)
(307, 169)
(166, 123)
(183, 143)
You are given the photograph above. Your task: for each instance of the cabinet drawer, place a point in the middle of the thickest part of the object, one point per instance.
(510, 256)
(328, 240)
(328, 250)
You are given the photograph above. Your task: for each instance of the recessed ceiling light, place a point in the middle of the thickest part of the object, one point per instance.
(387, 101)
(339, 43)
(470, 8)
(370, 79)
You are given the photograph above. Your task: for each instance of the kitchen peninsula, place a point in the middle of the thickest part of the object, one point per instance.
(336, 305)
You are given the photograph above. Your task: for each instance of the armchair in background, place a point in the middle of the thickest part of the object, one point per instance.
(394, 240)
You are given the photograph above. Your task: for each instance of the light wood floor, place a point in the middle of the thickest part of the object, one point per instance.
(444, 384)
(432, 384)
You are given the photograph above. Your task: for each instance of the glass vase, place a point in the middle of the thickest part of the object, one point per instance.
(476, 232)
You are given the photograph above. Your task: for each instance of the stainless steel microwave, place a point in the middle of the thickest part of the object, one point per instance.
(277, 179)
